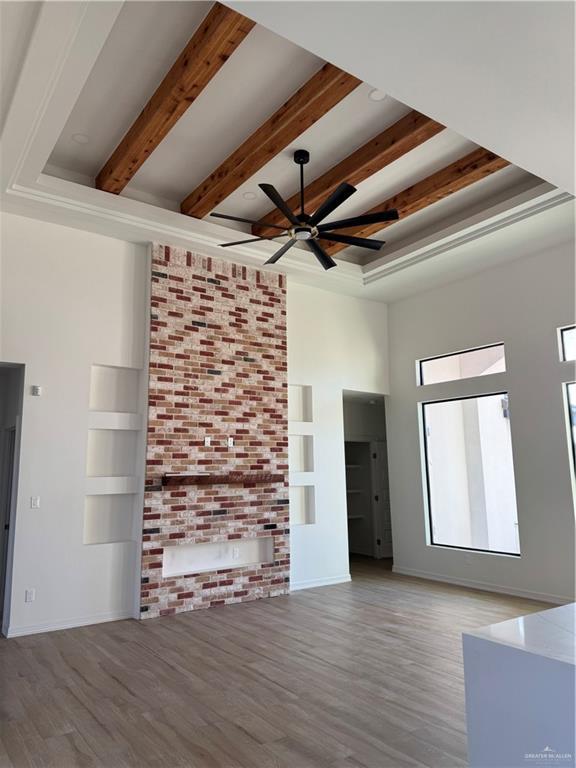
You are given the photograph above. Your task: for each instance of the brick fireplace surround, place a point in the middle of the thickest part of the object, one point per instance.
(218, 370)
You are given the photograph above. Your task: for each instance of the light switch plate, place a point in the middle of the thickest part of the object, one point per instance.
(34, 502)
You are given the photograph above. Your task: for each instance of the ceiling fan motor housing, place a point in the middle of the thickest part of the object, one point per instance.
(304, 233)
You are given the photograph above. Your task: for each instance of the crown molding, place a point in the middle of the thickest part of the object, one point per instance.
(540, 197)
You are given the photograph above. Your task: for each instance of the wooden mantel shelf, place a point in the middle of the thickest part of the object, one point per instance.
(229, 478)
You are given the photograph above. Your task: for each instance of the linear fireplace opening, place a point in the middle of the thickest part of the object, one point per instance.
(216, 555)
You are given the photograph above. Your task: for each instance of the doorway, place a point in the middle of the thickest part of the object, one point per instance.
(11, 399)
(367, 487)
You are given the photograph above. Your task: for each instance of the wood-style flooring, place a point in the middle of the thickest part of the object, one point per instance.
(360, 675)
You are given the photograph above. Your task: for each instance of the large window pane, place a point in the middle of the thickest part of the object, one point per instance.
(463, 365)
(470, 474)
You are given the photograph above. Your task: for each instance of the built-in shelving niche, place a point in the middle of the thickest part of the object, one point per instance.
(300, 403)
(302, 492)
(302, 504)
(112, 504)
(301, 453)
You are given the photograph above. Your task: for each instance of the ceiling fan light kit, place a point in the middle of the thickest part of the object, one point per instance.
(306, 228)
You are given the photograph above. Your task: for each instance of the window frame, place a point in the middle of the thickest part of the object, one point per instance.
(561, 346)
(420, 376)
(571, 442)
(427, 499)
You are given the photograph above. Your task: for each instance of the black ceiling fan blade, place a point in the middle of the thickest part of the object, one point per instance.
(326, 261)
(359, 221)
(336, 198)
(246, 221)
(251, 240)
(279, 253)
(279, 202)
(363, 242)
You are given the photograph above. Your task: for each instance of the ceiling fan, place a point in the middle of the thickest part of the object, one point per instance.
(308, 228)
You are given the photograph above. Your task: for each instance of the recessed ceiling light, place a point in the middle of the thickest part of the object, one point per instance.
(80, 138)
(376, 95)
(249, 196)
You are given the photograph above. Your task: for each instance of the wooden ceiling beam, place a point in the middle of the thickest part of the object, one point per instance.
(216, 39)
(406, 134)
(311, 102)
(468, 170)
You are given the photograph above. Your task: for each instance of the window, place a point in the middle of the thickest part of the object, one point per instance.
(463, 365)
(568, 343)
(470, 474)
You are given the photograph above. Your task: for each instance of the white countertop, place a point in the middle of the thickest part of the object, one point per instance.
(549, 633)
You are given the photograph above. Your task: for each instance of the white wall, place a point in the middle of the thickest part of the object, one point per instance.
(521, 303)
(335, 343)
(69, 299)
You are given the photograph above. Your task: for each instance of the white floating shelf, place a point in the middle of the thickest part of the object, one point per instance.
(120, 484)
(301, 478)
(114, 420)
(300, 428)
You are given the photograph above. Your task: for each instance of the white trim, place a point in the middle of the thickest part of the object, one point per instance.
(296, 586)
(98, 618)
(483, 585)
(531, 202)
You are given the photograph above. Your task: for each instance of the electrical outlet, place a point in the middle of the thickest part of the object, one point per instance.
(235, 553)
(207, 441)
(30, 595)
(34, 502)
(230, 442)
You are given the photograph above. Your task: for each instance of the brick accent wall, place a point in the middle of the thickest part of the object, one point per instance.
(218, 370)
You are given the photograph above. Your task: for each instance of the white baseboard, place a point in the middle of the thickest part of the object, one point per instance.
(99, 618)
(484, 586)
(310, 583)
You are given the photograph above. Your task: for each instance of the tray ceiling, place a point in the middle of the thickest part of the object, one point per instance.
(79, 75)
(263, 72)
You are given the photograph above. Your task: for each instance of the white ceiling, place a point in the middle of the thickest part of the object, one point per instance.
(265, 70)
(17, 21)
(500, 73)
